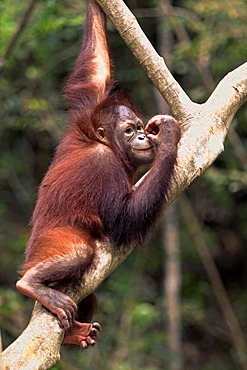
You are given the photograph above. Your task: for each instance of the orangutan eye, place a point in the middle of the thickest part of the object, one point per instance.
(128, 131)
(140, 128)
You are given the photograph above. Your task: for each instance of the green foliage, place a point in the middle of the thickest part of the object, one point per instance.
(215, 36)
(144, 314)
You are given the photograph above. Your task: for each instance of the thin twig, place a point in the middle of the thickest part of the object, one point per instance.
(17, 33)
(215, 279)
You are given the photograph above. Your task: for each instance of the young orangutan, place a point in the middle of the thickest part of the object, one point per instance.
(87, 193)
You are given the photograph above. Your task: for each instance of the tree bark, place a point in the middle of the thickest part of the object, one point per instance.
(204, 128)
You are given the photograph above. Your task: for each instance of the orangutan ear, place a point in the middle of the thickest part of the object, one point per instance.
(101, 133)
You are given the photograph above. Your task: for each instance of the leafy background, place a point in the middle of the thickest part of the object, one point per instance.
(207, 39)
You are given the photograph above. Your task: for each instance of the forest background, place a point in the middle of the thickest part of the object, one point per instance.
(201, 42)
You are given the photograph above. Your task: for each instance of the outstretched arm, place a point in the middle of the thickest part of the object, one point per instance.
(91, 76)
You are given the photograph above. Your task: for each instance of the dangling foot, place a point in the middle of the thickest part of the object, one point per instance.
(82, 334)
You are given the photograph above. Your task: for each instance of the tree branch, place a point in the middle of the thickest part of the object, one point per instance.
(154, 65)
(230, 94)
(204, 128)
